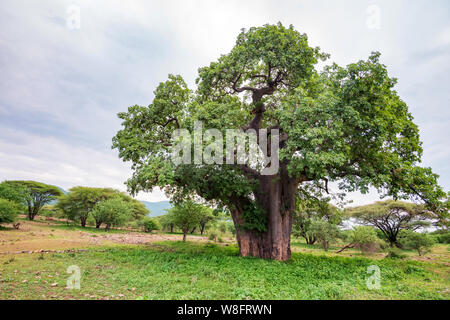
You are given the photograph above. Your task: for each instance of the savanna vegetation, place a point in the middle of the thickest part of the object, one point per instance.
(234, 232)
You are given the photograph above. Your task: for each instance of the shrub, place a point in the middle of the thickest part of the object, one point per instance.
(420, 242)
(212, 236)
(113, 212)
(325, 232)
(8, 211)
(149, 224)
(394, 253)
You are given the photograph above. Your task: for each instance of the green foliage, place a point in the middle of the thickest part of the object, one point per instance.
(212, 235)
(442, 237)
(417, 241)
(365, 238)
(51, 211)
(394, 253)
(8, 211)
(13, 192)
(166, 222)
(188, 271)
(345, 124)
(113, 212)
(186, 216)
(34, 194)
(325, 232)
(309, 209)
(80, 201)
(149, 224)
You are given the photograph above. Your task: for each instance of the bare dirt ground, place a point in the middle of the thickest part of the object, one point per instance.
(45, 235)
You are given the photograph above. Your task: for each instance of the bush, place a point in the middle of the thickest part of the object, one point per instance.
(149, 224)
(420, 242)
(394, 253)
(212, 236)
(443, 238)
(8, 211)
(112, 212)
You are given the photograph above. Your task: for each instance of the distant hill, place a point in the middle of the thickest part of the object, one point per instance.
(157, 208)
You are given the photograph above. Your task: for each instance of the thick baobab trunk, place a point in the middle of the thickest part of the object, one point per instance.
(277, 197)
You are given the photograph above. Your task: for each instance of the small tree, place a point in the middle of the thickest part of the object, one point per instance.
(186, 216)
(325, 232)
(166, 221)
(308, 210)
(13, 192)
(149, 224)
(8, 211)
(417, 241)
(35, 195)
(392, 216)
(113, 212)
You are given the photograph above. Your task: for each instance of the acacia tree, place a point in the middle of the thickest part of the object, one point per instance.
(344, 124)
(390, 217)
(35, 194)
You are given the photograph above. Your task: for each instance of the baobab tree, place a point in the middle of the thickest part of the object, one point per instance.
(390, 217)
(343, 124)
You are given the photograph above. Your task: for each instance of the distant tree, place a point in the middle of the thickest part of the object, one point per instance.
(392, 216)
(206, 216)
(309, 210)
(79, 202)
(8, 211)
(186, 216)
(417, 241)
(35, 195)
(325, 232)
(113, 212)
(149, 224)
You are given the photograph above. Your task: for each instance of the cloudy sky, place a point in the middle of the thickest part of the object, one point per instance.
(64, 77)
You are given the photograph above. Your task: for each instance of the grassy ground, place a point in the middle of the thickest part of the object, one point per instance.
(201, 270)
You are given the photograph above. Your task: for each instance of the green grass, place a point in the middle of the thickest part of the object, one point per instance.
(176, 270)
